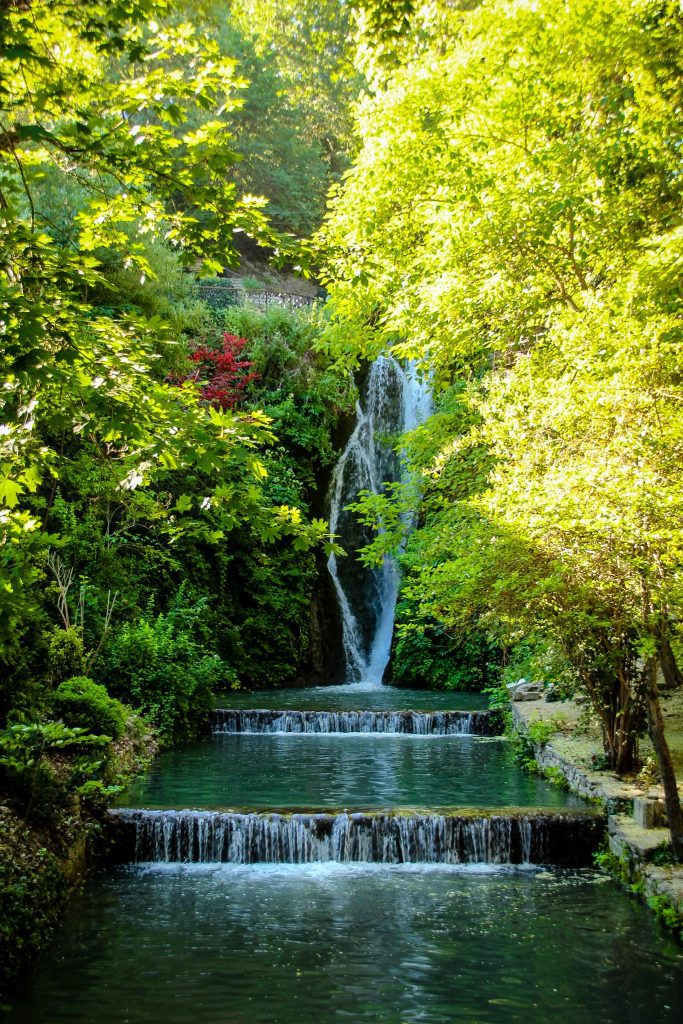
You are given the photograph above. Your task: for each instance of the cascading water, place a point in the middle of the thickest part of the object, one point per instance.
(395, 400)
(409, 723)
(567, 838)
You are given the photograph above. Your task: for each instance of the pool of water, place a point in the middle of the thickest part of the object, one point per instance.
(344, 945)
(354, 771)
(354, 697)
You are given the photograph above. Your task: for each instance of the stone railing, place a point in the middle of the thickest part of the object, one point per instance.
(221, 295)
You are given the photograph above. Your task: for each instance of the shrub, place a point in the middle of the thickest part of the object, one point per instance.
(66, 657)
(162, 667)
(429, 657)
(540, 730)
(32, 893)
(83, 702)
(44, 765)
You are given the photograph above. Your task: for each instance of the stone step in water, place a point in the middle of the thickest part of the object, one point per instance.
(411, 723)
(566, 839)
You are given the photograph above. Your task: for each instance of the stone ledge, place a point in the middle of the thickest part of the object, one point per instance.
(557, 753)
(632, 840)
(633, 845)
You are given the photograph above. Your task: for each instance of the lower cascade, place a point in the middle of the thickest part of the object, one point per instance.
(413, 723)
(566, 839)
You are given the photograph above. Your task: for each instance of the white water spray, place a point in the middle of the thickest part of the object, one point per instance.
(395, 401)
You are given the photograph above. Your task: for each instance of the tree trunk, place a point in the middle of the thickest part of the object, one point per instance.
(655, 724)
(673, 677)
(618, 703)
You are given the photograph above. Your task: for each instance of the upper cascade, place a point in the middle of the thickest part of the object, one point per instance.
(410, 723)
(394, 401)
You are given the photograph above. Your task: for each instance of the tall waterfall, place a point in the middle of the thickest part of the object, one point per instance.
(395, 400)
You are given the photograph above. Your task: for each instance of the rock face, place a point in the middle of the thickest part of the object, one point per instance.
(325, 662)
(522, 690)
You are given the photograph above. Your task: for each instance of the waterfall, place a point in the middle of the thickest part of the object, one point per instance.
(412, 723)
(566, 839)
(395, 400)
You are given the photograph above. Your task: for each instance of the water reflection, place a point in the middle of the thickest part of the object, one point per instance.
(285, 945)
(356, 770)
(355, 697)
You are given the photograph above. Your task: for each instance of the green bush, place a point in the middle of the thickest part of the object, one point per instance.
(428, 657)
(540, 730)
(161, 666)
(66, 657)
(83, 702)
(45, 765)
(32, 894)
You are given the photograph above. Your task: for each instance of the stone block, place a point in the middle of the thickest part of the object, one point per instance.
(649, 812)
(526, 691)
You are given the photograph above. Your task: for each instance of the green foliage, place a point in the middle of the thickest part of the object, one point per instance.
(246, 553)
(167, 293)
(556, 777)
(524, 242)
(66, 657)
(525, 753)
(251, 284)
(30, 778)
(663, 855)
(429, 656)
(577, 164)
(32, 892)
(71, 775)
(117, 174)
(499, 703)
(82, 702)
(302, 393)
(84, 368)
(161, 665)
(661, 904)
(102, 456)
(667, 912)
(620, 868)
(540, 730)
(308, 46)
(274, 632)
(609, 862)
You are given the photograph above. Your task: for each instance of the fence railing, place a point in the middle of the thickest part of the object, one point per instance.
(221, 295)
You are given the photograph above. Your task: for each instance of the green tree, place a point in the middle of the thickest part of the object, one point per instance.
(95, 101)
(311, 45)
(512, 220)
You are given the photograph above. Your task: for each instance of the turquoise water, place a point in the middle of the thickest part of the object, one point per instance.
(358, 771)
(353, 944)
(339, 945)
(354, 697)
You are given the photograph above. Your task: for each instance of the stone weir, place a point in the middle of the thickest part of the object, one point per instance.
(562, 838)
(409, 723)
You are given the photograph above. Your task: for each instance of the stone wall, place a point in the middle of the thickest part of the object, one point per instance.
(633, 847)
